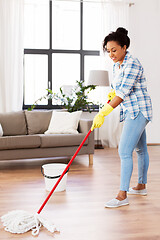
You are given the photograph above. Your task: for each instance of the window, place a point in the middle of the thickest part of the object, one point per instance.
(61, 45)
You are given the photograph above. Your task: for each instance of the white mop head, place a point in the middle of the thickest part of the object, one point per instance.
(19, 221)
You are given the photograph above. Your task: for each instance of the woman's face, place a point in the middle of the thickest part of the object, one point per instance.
(116, 52)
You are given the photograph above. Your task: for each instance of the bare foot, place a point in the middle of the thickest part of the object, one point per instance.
(139, 186)
(121, 195)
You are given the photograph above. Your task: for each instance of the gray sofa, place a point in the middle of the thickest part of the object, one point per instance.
(24, 138)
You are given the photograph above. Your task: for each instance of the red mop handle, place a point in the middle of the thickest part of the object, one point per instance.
(70, 162)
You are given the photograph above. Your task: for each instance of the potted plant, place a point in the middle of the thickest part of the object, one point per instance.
(78, 99)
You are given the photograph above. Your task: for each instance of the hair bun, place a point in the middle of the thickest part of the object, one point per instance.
(122, 30)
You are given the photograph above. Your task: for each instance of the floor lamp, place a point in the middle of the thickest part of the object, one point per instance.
(99, 78)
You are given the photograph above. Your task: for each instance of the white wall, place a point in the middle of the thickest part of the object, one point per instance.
(145, 45)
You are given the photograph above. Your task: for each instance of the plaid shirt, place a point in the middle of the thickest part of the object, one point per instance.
(130, 85)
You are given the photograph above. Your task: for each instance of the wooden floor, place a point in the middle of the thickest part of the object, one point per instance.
(79, 211)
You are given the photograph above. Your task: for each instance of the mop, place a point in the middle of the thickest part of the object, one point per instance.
(19, 221)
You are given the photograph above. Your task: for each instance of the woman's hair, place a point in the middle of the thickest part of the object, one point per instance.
(120, 36)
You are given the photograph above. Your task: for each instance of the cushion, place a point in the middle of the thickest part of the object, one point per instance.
(13, 123)
(62, 140)
(38, 121)
(64, 123)
(1, 131)
(19, 142)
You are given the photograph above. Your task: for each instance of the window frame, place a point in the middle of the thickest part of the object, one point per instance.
(50, 51)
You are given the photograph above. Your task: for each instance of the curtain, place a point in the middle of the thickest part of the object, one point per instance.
(114, 15)
(11, 55)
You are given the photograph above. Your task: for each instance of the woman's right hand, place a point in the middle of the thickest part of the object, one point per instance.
(97, 121)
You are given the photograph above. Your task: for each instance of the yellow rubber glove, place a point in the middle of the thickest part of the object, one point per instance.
(111, 95)
(97, 121)
(99, 118)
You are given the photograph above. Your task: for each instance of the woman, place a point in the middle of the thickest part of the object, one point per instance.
(131, 93)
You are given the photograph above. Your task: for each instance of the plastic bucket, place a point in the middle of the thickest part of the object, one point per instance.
(52, 173)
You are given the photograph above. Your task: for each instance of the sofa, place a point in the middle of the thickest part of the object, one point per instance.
(24, 138)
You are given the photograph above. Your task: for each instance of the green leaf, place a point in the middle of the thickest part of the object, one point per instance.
(50, 91)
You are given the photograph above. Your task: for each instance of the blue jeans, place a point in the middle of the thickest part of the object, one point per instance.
(133, 137)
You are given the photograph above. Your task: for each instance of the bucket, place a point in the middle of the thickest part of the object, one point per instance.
(52, 173)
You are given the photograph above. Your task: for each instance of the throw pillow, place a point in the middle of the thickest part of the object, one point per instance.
(13, 123)
(1, 131)
(38, 121)
(64, 122)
